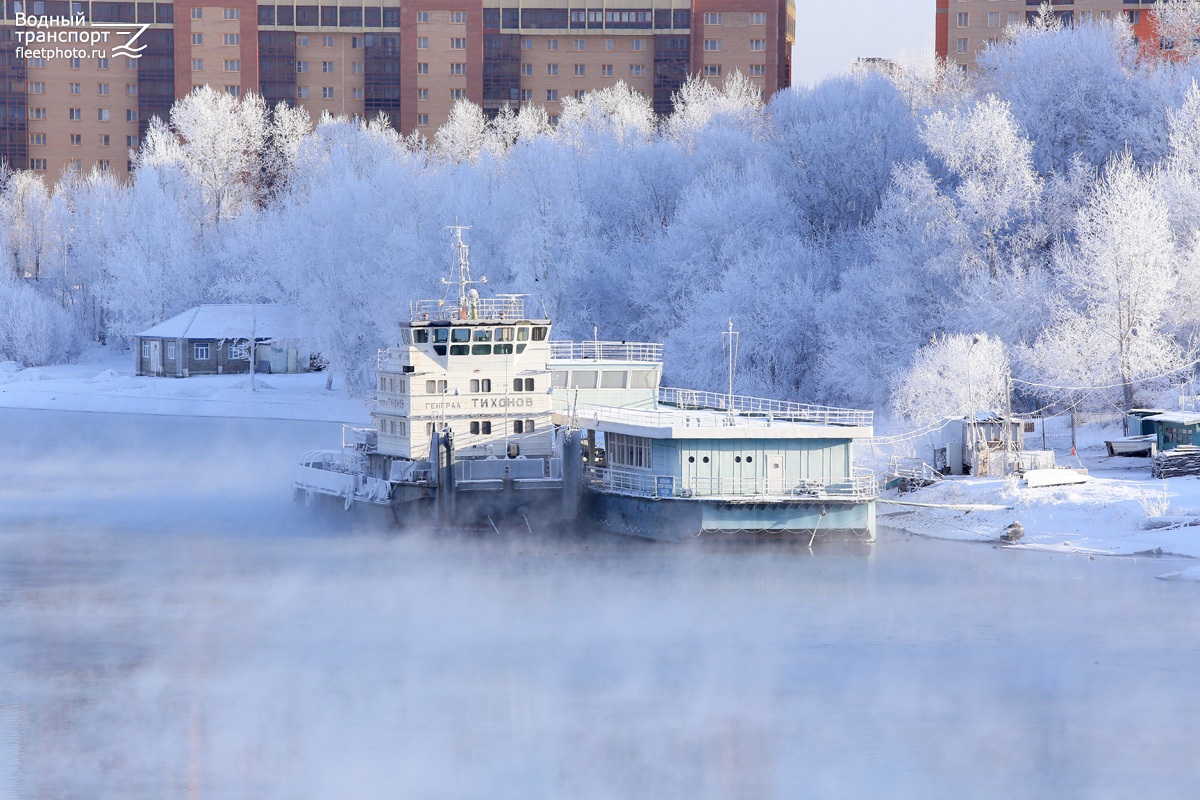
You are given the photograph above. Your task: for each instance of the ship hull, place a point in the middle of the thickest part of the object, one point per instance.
(677, 519)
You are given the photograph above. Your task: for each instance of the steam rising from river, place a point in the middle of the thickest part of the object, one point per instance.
(170, 625)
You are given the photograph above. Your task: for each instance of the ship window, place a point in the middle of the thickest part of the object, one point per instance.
(382, 383)
(481, 349)
(529, 426)
(460, 349)
(461, 335)
(420, 336)
(522, 384)
(478, 385)
(502, 349)
(614, 379)
(522, 334)
(737, 459)
(558, 378)
(749, 459)
(435, 387)
(539, 333)
(705, 459)
(475, 428)
(485, 427)
(405, 336)
(691, 459)
(628, 451)
(483, 334)
(643, 379)
(441, 335)
(504, 334)
(583, 378)
(518, 426)
(439, 349)
(520, 349)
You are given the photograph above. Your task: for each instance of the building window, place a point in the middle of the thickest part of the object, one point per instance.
(130, 63)
(962, 45)
(552, 95)
(131, 90)
(551, 70)
(37, 138)
(458, 43)
(356, 42)
(327, 41)
(356, 67)
(608, 44)
(629, 451)
(1014, 17)
(357, 93)
(197, 13)
(458, 17)
(302, 41)
(637, 70)
(326, 66)
(233, 39)
(37, 113)
(458, 94)
(606, 70)
(481, 428)
(423, 68)
(712, 45)
(233, 65)
(74, 63)
(37, 62)
(131, 140)
(233, 90)
(74, 114)
(579, 71)
(200, 351)
(301, 66)
(581, 44)
(103, 140)
(422, 119)
(758, 18)
(171, 350)
(712, 70)
(758, 44)
(37, 87)
(1135, 17)
(458, 69)
(422, 94)
(712, 18)
(231, 13)
(552, 44)
(527, 95)
(76, 165)
(422, 16)
(422, 42)
(103, 165)
(326, 92)
(102, 63)
(758, 70)
(994, 19)
(76, 139)
(197, 38)
(38, 164)
(301, 92)
(637, 44)
(74, 88)
(197, 65)
(554, 120)
(962, 19)
(145, 349)
(527, 44)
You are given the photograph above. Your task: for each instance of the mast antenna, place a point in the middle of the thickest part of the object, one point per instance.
(729, 340)
(465, 298)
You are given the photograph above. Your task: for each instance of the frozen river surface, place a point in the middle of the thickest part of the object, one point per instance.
(170, 626)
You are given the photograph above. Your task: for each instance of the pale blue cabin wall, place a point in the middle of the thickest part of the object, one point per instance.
(803, 458)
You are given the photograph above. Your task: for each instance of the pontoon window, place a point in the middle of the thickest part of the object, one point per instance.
(420, 336)
(643, 379)
(481, 349)
(558, 379)
(441, 335)
(539, 333)
(522, 334)
(613, 379)
(582, 378)
(483, 335)
(461, 335)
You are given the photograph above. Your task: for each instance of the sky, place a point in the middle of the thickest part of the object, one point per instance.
(831, 34)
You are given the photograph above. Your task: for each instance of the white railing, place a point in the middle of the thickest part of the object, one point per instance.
(697, 418)
(606, 351)
(858, 487)
(694, 399)
(508, 307)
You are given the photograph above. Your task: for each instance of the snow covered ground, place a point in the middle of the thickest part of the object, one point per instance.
(104, 380)
(1119, 511)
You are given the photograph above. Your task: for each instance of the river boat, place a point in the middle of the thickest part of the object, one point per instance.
(480, 418)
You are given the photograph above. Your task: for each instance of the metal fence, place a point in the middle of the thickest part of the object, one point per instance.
(1059, 432)
(606, 351)
(861, 486)
(764, 407)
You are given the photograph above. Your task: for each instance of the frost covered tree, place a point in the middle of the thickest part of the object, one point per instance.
(1117, 284)
(953, 376)
(617, 110)
(462, 136)
(34, 329)
(1177, 23)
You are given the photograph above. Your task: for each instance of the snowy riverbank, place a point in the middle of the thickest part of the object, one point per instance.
(105, 381)
(1119, 511)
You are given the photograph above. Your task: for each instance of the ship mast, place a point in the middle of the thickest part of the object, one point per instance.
(732, 351)
(467, 297)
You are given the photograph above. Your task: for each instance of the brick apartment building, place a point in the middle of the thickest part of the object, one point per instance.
(81, 105)
(965, 27)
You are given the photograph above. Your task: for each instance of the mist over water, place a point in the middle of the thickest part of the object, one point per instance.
(172, 626)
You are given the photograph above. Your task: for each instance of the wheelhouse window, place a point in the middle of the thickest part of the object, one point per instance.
(420, 335)
(614, 379)
(522, 334)
(200, 351)
(583, 378)
(540, 332)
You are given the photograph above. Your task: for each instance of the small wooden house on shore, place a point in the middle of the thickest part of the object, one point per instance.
(216, 340)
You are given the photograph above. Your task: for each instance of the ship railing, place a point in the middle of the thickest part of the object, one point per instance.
(364, 440)
(860, 486)
(606, 351)
(695, 399)
(694, 418)
(506, 307)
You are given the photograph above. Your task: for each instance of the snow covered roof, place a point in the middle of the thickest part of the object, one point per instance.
(231, 322)
(1177, 417)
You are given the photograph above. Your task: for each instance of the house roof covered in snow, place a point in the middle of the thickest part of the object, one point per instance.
(1176, 417)
(266, 321)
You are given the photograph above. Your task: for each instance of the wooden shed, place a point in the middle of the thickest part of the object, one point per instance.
(216, 340)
